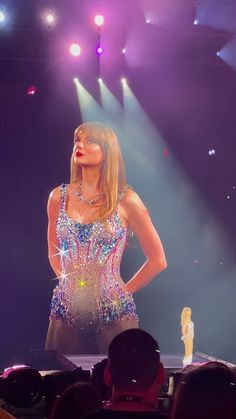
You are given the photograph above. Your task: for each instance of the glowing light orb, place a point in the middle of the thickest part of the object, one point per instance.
(2, 16)
(99, 50)
(123, 50)
(31, 90)
(75, 50)
(196, 22)
(211, 152)
(99, 20)
(50, 18)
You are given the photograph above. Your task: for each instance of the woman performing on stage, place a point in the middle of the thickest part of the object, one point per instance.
(89, 220)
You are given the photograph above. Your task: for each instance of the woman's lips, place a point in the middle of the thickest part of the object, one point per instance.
(79, 154)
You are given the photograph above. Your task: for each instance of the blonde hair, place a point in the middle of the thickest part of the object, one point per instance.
(112, 180)
(185, 312)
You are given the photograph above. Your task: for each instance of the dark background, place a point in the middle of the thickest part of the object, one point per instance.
(189, 95)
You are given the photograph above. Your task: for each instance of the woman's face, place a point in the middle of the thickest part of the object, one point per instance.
(87, 151)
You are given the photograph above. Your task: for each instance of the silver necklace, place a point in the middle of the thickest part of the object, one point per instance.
(81, 197)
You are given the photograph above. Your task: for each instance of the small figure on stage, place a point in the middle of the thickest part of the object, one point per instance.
(89, 221)
(187, 335)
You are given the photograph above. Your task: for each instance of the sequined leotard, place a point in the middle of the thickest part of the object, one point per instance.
(90, 294)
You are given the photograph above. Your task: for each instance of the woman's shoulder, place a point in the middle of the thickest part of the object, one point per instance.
(56, 193)
(131, 200)
(132, 207)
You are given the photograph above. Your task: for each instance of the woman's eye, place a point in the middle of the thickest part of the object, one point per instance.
(91, 141)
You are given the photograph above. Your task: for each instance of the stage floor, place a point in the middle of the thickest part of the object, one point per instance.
(172, 361)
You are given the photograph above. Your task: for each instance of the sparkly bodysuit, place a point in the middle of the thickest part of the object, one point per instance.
(90, 294)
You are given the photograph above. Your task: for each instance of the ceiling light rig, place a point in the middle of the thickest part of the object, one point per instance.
(75, 49)
(99, 21)
(50, 19)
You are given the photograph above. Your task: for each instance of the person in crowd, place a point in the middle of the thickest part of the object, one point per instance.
(77, 402)
(206, 392)
(135, 374)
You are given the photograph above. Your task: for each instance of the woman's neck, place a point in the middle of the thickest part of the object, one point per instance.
(90, 180)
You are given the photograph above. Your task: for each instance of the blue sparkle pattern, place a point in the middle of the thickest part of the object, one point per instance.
(90, 294)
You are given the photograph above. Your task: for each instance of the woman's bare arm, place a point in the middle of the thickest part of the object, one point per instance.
(139, 221)
(53, 245)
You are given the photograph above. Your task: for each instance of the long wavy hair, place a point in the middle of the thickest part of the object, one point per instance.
(112, 180)
(185, 313)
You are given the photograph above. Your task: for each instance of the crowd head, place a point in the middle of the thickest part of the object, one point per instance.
(133, 360)
(207, 392)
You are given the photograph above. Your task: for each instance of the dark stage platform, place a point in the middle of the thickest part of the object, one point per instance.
(51, 360)
(171, 362)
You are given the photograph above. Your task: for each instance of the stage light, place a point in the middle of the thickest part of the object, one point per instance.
(218, 53)
(75, 50)
(2, 16)
(148, 20)
(124, 80)
(99, 50)
(76, 80)
(31, 90)
(100, 80)
(211, 152)
(123, 50)
(196, 22)
(50, 18)
(99, 20)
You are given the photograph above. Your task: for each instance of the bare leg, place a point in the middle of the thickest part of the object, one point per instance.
(189, 347)
(65, 339)
(105, 336)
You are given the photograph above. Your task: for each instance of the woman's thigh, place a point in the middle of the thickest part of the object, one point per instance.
(65, 339)
(106, 335)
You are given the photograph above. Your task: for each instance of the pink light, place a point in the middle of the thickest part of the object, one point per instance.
(31, 90)
(50, 18)
(75, 50)
(99, 20)
(99, 50)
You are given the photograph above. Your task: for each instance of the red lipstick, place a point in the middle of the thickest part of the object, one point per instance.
(79, 154)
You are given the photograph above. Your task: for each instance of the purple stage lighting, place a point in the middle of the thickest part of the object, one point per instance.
(75, 50)
(31, 90)
(2, 16)
(50, 18)
(99, 20)
(99, 50)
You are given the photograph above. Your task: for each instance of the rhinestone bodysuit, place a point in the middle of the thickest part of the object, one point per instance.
(90, 294)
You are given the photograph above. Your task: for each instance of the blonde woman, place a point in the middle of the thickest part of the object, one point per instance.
(187, 334)
(88, 226)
